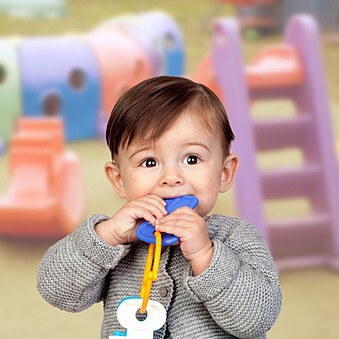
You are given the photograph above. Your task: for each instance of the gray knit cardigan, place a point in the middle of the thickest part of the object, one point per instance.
(237, 296)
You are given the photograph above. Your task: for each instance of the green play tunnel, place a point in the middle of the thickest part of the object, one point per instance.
(10, 89)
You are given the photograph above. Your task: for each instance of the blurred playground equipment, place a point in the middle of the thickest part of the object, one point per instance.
(166, 52)
(291, 71)
(42, 9)
(45, 196)
(80, 78)
(60, 76)
(65, 87)
(10, 88)
(255, 16)
(326, 12)
(168, 41)
(260, 16)
(118, 57)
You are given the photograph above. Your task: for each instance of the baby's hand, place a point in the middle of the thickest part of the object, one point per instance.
(192, 231)
(121, 227)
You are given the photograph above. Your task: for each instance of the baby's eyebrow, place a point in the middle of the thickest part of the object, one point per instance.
(139, 150)
(197, 143)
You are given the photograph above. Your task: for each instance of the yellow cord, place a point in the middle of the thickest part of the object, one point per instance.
(150, 276)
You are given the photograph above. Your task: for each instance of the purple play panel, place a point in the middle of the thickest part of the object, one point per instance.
(312, 240)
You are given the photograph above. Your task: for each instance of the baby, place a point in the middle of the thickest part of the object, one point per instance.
(169, 137)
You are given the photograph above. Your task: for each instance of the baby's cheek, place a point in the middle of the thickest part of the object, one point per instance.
(205, 205)
(208, 200)
(136, 189)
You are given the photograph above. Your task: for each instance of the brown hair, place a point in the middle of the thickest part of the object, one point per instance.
(148, 109)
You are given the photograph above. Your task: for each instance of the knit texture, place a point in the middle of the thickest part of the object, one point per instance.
(237, 296)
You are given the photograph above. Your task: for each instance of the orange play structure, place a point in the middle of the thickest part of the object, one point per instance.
(121, 59)
(205, 74)
(274, 66)
(45, 197)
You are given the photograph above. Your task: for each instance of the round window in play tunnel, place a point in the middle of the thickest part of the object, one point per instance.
(2, 74)
(51, 105)
(77, 79)
(169, 41)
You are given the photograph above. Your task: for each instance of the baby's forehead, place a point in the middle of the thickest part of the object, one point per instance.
(185, 120)
(173, 138)
(191, 126)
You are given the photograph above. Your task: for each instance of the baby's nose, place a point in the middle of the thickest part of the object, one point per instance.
(172, 177)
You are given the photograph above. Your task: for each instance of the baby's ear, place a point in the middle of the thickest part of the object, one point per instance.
(228, 172)
(112, 172)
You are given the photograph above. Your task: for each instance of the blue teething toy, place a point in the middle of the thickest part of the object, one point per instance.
(145, 231)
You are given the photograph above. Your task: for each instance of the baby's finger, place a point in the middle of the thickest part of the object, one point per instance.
(144, 213)
(185, 210)
(156, 197)
(175, 217)
(153, 205)
(178, 229)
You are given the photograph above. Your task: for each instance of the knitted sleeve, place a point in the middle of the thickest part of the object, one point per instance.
(72, 273)
(240, 288)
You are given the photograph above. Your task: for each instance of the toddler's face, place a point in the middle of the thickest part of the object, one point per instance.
(186, 159)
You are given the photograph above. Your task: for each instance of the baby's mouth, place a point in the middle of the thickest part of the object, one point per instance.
(170, 196)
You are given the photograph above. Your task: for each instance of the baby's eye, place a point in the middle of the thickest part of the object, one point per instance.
(149, 163)
(191, 160)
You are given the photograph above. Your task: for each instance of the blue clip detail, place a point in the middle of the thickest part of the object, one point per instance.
(145, 231)
(120, 334)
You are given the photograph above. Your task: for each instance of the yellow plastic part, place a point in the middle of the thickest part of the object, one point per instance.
(150, 276)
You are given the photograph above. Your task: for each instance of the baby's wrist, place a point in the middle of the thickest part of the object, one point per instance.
(107, 233)
(202, 261)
